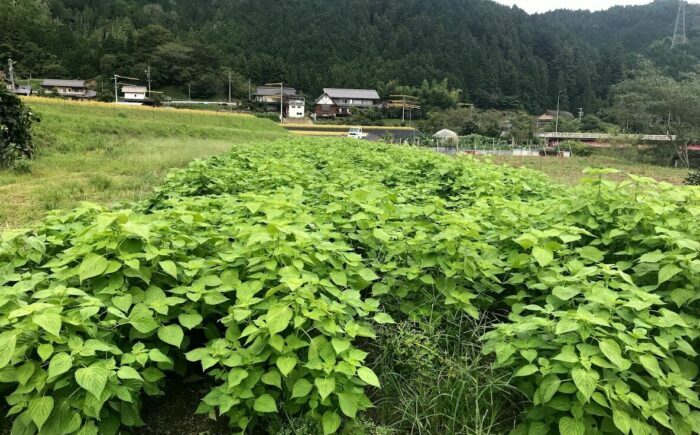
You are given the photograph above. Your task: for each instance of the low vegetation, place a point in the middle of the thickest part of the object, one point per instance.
(104, 153)
(15, 130)
(312, 282)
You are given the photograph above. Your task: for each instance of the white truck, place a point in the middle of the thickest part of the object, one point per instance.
(356, 133)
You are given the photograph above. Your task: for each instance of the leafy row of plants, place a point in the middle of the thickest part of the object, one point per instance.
(268, 270)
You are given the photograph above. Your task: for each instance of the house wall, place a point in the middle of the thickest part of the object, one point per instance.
(134, 96)
(326, 110)
(295, 109)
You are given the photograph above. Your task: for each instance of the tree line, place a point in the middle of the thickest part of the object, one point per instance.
(497, 57)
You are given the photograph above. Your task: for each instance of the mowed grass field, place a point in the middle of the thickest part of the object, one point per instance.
(103, 153)
(569, 171)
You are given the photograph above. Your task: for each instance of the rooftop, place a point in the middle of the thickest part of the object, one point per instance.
(54, 83)
(271, 91)
(359, 94)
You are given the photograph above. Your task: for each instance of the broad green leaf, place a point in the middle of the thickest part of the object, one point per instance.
(93, 379)
(367, 375)
(126, 372)
(93, 265)
(591, 253)
(171, 334)
(169, 267)
(60, 363)
(383, 318)
(278, 318)
(585, 380)
(44, 350)
(569, 426)
(348, 404)
(39, 410)
(265, 404)
(526, 370)
(548, 388)
(286, 364)
(236, 376)
(190, 320)
(340, 345)
(565, 293)
(325, 386)
(667, 272)
(49, 321)
(651, 364)
(330, 422)
(543, 256)
(301, 388)
(368, 275)
(122, 302)
(272, 378)
(339, 278)
(622, 420)
(8, 343)
(652, 257)
(613, 353)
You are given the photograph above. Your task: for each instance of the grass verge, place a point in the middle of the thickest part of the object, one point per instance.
(106, 153)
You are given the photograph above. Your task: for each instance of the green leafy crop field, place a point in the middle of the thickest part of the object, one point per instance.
(360, 287)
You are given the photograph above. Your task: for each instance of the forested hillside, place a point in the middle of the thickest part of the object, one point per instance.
(498, 56)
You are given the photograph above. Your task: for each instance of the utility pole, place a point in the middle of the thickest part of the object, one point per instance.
(148, 77)
(11, 68)
(189, 92)
(556, 127)
(250, 96)
(116, 83)
(116, 94)
(281, 84)
(229, 87)
(580, 114)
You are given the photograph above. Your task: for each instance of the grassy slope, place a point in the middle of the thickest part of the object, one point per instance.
(570, 170)
(104, 153)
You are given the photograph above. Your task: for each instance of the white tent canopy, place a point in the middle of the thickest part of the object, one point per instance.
(446, 136)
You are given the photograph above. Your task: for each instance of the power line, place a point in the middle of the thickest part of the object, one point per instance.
(679, 35)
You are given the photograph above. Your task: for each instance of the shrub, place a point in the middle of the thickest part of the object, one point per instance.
(577, 148)
(693, 178)
(15, 129)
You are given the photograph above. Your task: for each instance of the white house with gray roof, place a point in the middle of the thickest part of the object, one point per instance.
(341, 102)
(68, 88)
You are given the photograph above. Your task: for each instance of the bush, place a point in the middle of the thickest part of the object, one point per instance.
(15, 129)
(577, 148)
(693, 179)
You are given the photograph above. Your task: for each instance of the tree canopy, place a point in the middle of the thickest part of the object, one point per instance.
(498, 57)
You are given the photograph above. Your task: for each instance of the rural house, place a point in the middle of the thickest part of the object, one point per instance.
(268, 97)
(68, 88)
(340, 102)
(550, 116)
(17, 89)
(13, 87)
(135, 94)
(295, 107)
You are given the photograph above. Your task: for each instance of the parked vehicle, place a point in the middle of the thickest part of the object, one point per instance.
(356, 133)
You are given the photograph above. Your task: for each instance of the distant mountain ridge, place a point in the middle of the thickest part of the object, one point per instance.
(499, 56)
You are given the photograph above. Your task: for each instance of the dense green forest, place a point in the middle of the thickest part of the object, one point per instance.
(499, 57)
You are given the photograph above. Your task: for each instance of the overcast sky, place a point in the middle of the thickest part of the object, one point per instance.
(547, 5)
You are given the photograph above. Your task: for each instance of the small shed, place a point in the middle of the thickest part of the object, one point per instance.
(447, 136)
